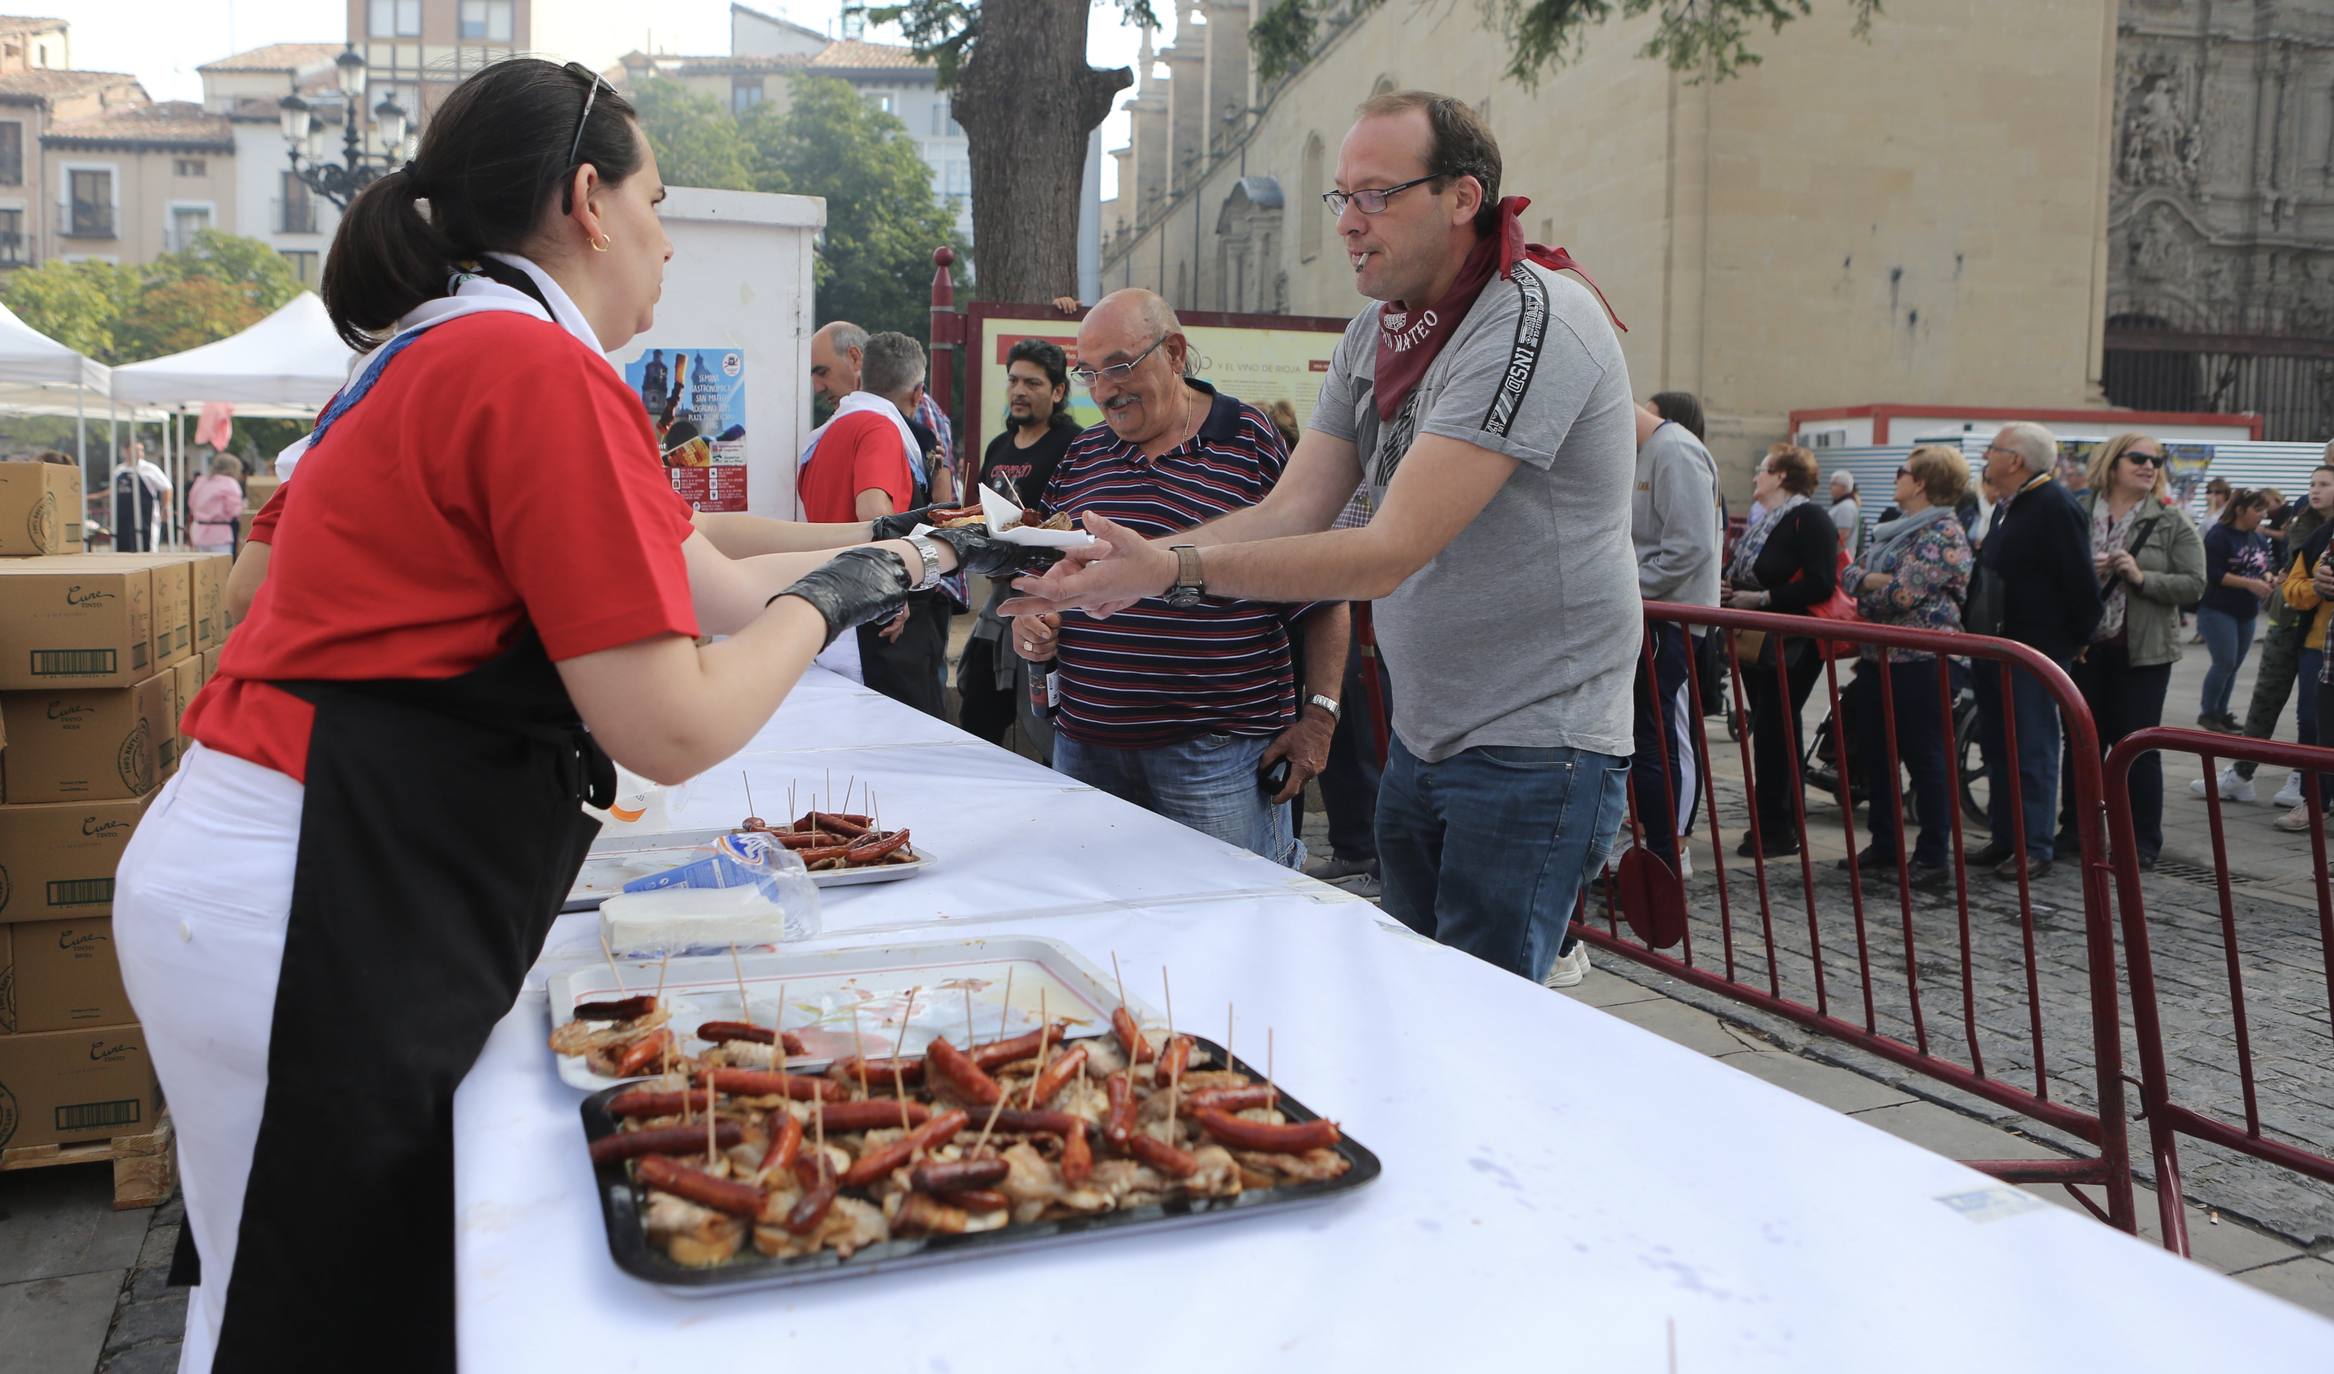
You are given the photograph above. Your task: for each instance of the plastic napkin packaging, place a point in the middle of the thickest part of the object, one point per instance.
(742, 889)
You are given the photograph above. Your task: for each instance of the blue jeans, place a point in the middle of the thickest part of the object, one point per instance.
(2036, 765)
(1487, 850)
(2228, 640)
(1207, 782)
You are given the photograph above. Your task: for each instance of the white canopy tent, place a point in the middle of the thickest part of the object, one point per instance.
(39, 374)
(287, 365)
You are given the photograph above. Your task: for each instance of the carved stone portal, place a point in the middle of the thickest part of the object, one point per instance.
(2161, 139)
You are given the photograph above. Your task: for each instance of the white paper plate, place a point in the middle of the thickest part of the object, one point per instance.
(1000, 510)
(604, 873)
(823, 986)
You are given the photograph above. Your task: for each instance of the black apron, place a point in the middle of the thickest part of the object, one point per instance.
(442, 830)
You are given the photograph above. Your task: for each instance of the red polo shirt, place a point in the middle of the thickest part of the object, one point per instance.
(498, 474)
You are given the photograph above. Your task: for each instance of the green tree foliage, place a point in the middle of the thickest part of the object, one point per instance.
(217, 286)
(79, 304)
(1707, 38)
(882, 218)
(874, 263)
(696, 141)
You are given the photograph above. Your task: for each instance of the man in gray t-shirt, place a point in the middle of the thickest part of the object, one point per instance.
(1485, 405)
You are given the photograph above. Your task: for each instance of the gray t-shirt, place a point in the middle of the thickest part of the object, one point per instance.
(1848, 519)
(1673, 518)
(1525, 629)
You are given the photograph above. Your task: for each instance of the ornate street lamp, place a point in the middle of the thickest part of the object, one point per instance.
(339, 182)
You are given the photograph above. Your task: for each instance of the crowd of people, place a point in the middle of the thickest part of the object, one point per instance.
(1153, 673)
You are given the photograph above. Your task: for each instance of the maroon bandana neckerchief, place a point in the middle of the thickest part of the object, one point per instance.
(1406, 346)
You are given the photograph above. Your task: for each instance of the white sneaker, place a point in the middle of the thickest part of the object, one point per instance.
(2233, 787)
(2291, 793)
(2296, 819)
(1570, 968)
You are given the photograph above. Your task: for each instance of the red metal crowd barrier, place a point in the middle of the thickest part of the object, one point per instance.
(1762, 962)
(2168, 1119)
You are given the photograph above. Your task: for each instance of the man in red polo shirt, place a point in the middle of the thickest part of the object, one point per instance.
(862, 464)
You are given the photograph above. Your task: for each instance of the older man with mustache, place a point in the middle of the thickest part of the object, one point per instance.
(1182, 703)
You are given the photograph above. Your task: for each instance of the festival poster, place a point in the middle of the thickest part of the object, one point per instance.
(2074, 457)
(696, 402)
(2190, 462)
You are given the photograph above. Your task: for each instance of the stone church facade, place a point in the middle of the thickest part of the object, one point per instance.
(1962, 211)
(2221, 222)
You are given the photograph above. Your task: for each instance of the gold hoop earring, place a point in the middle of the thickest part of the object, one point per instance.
(600, 244)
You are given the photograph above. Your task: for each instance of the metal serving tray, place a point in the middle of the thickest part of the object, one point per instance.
(628, 1239)
(948, 979)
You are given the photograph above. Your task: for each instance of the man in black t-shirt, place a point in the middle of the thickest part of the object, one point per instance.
(994, 686)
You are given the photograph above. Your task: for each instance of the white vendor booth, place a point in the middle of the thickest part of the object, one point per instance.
(1561, 1189)
(737, 306)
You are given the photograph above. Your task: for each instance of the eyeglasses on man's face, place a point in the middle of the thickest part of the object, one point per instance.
(1370, 201)
(1117, 372)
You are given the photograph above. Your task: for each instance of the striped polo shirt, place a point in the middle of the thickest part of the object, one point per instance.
(1152, 675)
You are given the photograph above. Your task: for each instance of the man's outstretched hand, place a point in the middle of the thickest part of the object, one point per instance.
(1102, 579)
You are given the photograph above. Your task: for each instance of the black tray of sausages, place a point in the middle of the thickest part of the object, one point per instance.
(620, 1203)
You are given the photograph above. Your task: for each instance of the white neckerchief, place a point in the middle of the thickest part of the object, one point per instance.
(472, 294)
(853, 404)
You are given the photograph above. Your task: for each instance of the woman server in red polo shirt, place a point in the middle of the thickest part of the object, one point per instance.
(480, 582)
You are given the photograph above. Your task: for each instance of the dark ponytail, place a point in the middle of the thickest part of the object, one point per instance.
(493, 156)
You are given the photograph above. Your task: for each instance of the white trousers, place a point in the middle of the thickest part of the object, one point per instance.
(201, 902)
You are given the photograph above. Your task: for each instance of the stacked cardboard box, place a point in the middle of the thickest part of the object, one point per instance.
(99, 653)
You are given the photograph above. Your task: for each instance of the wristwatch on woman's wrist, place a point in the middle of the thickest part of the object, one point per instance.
(927, 549)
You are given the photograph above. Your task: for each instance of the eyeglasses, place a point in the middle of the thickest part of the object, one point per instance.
(2152, 460)
(1904, 472)
(1371, 202)
(582, 123)
(1117, 372)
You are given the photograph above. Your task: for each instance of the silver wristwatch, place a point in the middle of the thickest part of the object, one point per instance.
(1326, 703)
(928, 549)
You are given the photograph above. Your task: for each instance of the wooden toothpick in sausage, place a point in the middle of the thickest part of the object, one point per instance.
(884, 1158)
(720, 1194)
(1292, 1138)
(948, 1069)
(657, 1140)
(770, 1083)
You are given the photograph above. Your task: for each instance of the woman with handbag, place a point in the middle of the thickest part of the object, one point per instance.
(1788, 564)
(2150, 562)
(1914, 574)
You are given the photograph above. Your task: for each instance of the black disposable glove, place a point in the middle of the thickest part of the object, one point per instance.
(854, 587)
(984, 554)
(901, 524)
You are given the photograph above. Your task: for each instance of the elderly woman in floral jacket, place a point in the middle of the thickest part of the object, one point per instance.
(1914, 573)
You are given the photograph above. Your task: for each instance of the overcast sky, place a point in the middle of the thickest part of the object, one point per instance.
(161, 42)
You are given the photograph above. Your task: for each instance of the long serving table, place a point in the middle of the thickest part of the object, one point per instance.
(1561, 1189)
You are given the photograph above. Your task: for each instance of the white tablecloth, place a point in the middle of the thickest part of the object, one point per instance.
(1561, 1188)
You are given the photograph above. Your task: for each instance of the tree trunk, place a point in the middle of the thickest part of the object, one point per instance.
(1028, 101)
